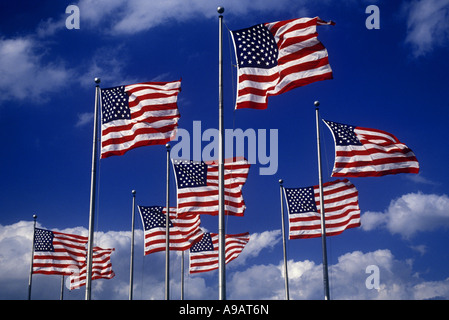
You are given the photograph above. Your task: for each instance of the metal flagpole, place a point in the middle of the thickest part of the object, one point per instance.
(61, 297)
(182, 275)
(167, 229)
(131, 265)
(93, 187)
(221, 213)
(30, 280)
(323, 222)
(287, 294)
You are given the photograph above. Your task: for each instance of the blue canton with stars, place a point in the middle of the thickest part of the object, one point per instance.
(114, 104)
(190, 173)
(205, 244)
(300, 200)
(153, 217)
(43, 240)
(255, 47)
(344, 134)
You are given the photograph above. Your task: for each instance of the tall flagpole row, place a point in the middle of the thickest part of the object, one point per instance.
(323, 222)
(93, 187)
(30, 280)
(221, 213)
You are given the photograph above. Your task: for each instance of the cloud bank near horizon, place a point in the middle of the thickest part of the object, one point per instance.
(246, 279)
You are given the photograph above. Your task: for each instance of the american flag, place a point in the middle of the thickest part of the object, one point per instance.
(341, 209)
(197, 186)
(364, 152)
(274, 58)
(101, 268)
(204, 254)
(138, 115)
(183, 230)
(57, 252)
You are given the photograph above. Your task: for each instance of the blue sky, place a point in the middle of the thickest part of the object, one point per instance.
(392, 79)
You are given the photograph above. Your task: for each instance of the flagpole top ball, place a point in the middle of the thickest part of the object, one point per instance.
(167, 146)
(316, 103)
(281, 181)
(220, 10)
(34, 216)
(133, 192)
(97, 80)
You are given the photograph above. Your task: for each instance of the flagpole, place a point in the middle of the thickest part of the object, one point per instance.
(167, 228)
(287, 294)
(30, 280)
(93, 186)
(61, 297)
(131, 266)
(323, 222)
(221, 213)
(182, 275)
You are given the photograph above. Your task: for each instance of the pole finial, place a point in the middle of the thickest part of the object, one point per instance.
(281, 181)
(167, 146)
(220, 10)
(34, 216)
(97, 80)
(133, 192)
(316, 103)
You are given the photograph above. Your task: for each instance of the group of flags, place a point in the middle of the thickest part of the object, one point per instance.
(186, 234)
(197, 194)
(359, 152)
(272, 58)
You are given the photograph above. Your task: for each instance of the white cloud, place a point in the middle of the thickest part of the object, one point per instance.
(129, 17)
(257, 243)
(347, 280)
(409, 214)
(84, 119)
(23, 73)
(15, 251)
(50, 26)
(249, 281)
(427, 25)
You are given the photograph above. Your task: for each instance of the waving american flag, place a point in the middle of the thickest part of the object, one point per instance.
(138, 115)
(57, 252)
(365, 152)
(341, 209)
(101, 268)
(276, 57)
(204, 253)
(197, 186)
(183, 231)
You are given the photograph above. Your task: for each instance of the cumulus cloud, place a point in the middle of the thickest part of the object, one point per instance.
(129, 17)
(347, 280)
(409, 214)
(15, 254)
(427, 25)
(347, 275)
(84, 118)
(257, 243)
(24, 74)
